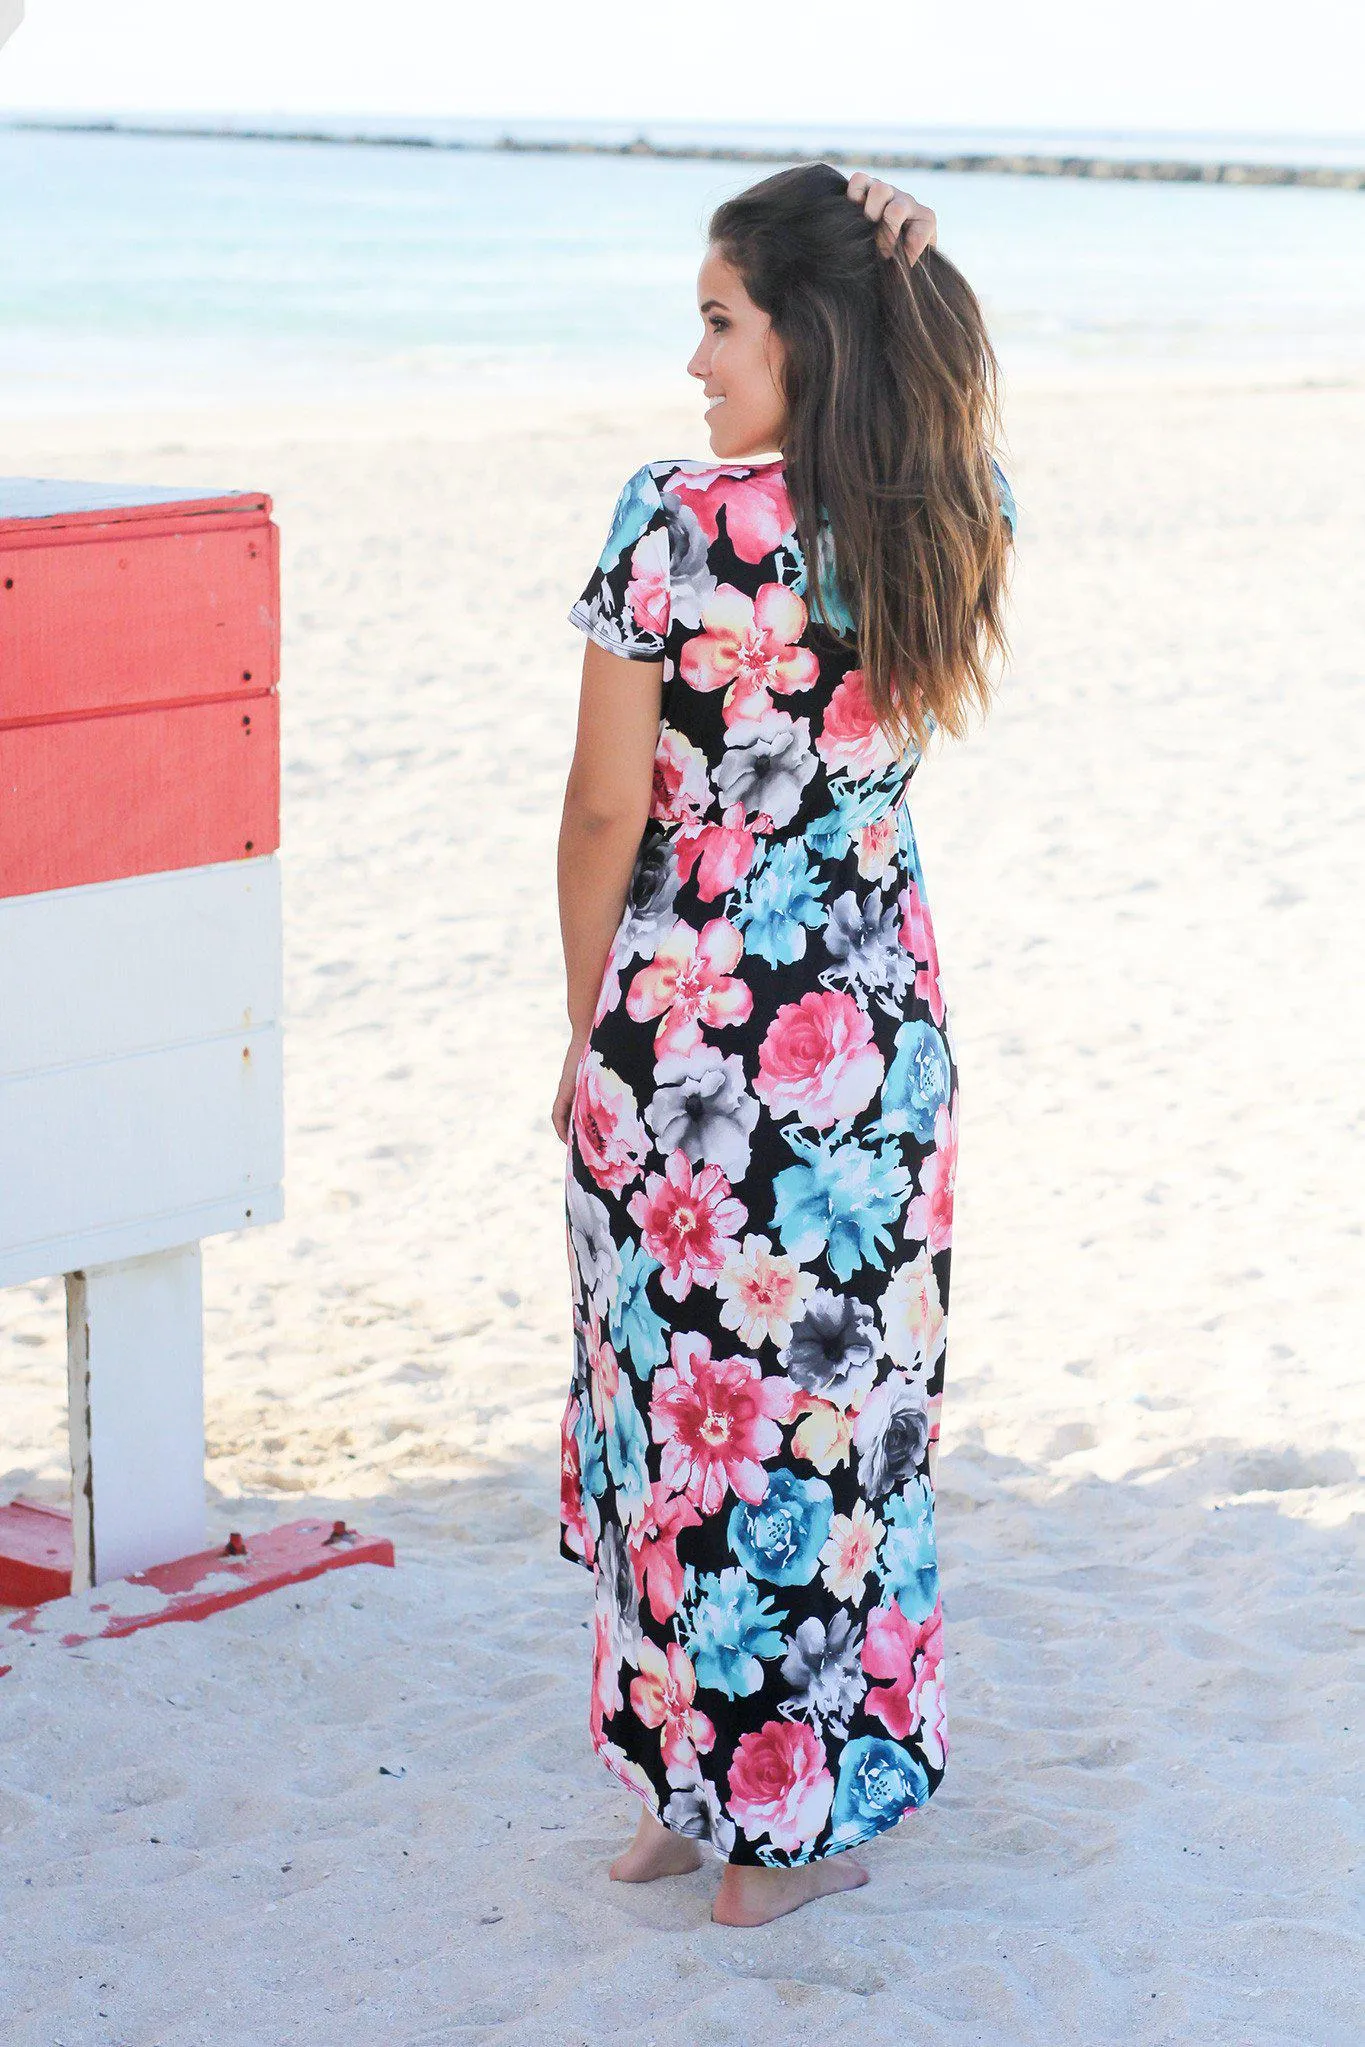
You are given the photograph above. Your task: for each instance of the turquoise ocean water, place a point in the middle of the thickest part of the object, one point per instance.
(141, 269)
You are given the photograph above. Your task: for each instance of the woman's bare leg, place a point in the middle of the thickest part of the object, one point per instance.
(751, 1897)
(655, 1851)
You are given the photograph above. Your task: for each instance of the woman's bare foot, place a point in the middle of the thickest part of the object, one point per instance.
(751, 1897)
(655, 1851)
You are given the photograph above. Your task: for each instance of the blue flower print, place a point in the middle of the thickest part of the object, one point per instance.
(918, 1081)
(633, 1324)
(628, 1449)
(833, 610)
(908, 1563)
(780, 1539)
(841, 1200)
(591, 1460)
(879, 1782)
(636, 506)
(782, 900)
(857, 803)
(1006, 497)
(728, 1626)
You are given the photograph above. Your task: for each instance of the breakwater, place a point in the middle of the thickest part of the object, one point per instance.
(1154, 170)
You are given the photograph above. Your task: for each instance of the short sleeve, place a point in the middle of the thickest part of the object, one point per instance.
(626, 605)
(1006, 497)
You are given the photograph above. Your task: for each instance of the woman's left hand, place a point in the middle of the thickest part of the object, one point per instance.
(562, 1112)
(897, 215)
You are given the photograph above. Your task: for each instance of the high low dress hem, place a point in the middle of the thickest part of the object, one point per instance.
(758, 1213)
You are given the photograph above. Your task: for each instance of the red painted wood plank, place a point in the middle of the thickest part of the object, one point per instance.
(212, 1580)
(35, 1553)
(97, 799)
(157, 613)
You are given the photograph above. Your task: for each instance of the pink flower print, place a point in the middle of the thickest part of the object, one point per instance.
(852, 736)
(878, 843)
(715, 1420)
(632, 1774)
(780, 1784)
(908, 1653)
(682, 788)
(933, 1725)
(578, 1534)
(662, 1697)
(824, 1435)
(763, 1293)
(850, 1552)
(604, 1372)
(648, 592)
(606, 1674)
(914, 1319)
(688, 1218)
(917, 936)
(929, 1217)
(747, 647)
(609, 994)
(612, 1140)
(653, 1544)
(758, 512)
(935, 1420)
(722, 853)
(689, 983)
(818, 1061)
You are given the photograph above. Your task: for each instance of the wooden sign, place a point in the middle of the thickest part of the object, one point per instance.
(140, 993)
(139, 662)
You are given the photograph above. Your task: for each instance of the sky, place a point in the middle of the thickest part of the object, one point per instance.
(1221, 66)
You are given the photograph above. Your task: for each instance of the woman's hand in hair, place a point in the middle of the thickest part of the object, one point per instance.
(897, 215)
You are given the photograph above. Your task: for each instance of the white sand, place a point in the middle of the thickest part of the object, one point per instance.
(1147, 878)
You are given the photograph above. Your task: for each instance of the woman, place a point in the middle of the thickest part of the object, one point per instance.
(759, 1096)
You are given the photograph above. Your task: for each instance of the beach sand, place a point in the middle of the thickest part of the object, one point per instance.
(1146, 874)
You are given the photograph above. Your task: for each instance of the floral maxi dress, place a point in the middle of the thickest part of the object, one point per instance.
(759, 1193)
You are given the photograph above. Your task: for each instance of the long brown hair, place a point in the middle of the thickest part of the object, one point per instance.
(890, 384)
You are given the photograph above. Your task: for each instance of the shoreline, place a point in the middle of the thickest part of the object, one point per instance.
(1155, 170)
(554, 405)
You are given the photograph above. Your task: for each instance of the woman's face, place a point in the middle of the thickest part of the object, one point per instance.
(739, 366)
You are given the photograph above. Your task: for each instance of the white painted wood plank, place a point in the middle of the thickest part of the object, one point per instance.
(155, 1136)
(136, 1384)
(125, 966)
(135, 1239)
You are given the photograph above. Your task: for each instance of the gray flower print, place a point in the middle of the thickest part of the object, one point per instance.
(704, 1109)
(697, 1811)
(617, 1594)
(766, 764)
(690, 577)
(594, 1259)
(833, 1349)
(890, 1435)
(863, 942)
(649, 906)
(824, 1669)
